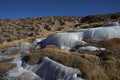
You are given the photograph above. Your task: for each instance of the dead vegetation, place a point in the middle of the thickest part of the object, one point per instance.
(6, 45)
(103, 66)
(16, 29)
(6, 66)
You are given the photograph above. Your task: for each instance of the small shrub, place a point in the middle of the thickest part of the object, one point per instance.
(47, 27)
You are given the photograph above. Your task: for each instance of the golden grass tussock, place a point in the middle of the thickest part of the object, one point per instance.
(89, 65)
(104, 66)
(34, 56)
(91, 68)
(90, 25)
(110, 61)
(6, 66)
(28, 40)
(112, 43)
(6, 45)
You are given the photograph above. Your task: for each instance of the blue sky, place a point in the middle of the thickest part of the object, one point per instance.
(40, 8)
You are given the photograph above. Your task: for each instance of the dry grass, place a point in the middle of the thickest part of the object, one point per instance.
(90, 25)
(28, 40)
(110, 61)
(51, 52)
(6, 66)
(112, 43)
(29, 27)
(105, 66)
(6, 45)
(92, 67)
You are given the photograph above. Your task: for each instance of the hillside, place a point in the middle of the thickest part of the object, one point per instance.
(27, 53)
(15, 29)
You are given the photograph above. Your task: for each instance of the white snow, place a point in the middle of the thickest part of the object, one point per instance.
(74, 77)
(70, 39)
(112, 24)
(39, 40)
(65, 40)
(91, 48)
(55, 71)
(51, 70)
(25, 48)
(3, 57)
(19, 70)
(108, 31)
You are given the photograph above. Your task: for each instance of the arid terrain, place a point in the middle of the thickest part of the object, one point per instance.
(16, 29)
(93, 65)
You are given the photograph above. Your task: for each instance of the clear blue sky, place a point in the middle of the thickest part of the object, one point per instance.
(38, 8)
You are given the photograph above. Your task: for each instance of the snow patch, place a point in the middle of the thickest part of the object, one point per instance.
(19, 70)
(46, 70)
(91, 48)
(59, 71)
(65, 40)
(101, 33)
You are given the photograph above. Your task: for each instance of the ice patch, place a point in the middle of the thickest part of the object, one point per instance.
(112, 24)
(4, 57)
(46, 70)
(39, 40)
(101, 33)
(51, 70)
(25, 48)
(91, 48)
(19, 70)
(65, 40)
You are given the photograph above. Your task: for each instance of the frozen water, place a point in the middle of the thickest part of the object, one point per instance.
(51, 70)
(19, 70)
(66, 40)
(101, 33)
(46, 70)
(91, 48)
